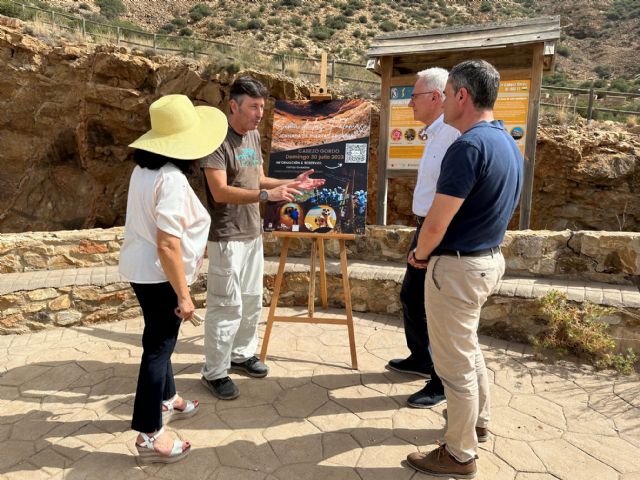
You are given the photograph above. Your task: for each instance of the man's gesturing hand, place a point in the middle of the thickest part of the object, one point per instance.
(306, 183)
(284, 192)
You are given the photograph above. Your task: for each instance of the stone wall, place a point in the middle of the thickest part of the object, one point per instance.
(609, 257)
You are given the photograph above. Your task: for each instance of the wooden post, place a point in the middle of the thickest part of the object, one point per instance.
(386, 64)
(530, 142)
(274, 299)
(84, 28)
(117, 35)
(590, 107)
(347, 304)
(283, 65)
(333, 70)
(323, 275)
(312, 281)
(155, 42)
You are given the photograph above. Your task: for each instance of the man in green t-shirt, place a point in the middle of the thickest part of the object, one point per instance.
(236, 185)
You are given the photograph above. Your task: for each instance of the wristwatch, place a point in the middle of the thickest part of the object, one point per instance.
(263, 196)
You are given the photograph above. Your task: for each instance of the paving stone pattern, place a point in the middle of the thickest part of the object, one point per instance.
(67, 393)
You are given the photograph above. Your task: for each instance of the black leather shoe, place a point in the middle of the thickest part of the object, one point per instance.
(223, 388)
(252, 367)
(428, 397)
(407, 365)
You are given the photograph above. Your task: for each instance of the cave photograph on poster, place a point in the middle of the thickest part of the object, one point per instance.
(331, 137)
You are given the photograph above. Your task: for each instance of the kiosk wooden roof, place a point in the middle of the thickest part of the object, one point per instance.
(518, 49)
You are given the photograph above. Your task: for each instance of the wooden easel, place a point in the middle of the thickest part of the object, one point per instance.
(317, 247)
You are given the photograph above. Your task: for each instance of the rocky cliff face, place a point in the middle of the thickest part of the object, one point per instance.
(68, 112)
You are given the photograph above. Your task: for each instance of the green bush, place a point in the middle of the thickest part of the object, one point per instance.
(185, 32)
(296, 20)
(277, 21)
(563, 50)
(111, 8)
(321, 33)
(168, 28)
(336, 23)
(578, 330)
(603, 71)
(199, 11)
(486, 6)
(254, 24)
(290, 3)
(297, 43)
(179, 22)
(387, 26)
(362, 19)
(620, 85)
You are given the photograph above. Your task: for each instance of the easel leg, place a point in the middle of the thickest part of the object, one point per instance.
(347, 304)
(323, 274)
(274, 299)
(312, 280)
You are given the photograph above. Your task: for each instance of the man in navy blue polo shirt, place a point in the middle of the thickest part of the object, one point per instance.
(477, 192)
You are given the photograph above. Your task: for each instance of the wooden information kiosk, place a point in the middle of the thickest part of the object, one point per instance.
(521, 51)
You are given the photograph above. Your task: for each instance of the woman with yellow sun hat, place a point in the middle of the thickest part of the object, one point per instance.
(165, 236)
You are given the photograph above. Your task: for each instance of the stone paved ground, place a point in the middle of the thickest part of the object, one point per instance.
(66, 397)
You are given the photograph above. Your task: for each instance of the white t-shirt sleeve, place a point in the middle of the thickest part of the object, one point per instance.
(172, 191)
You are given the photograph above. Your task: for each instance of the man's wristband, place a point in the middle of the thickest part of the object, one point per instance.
(419, 260)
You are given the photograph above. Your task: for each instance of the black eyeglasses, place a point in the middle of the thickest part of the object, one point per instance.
(414, 95)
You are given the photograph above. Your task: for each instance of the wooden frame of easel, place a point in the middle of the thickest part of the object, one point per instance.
(317, 247)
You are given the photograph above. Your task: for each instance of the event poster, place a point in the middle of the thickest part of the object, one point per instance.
(405, 145)
(332, 138)
(406, 142)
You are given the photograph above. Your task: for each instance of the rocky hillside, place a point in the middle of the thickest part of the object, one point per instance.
(70, 110)
(600, 38)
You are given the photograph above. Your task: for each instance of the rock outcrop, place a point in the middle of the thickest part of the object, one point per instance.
(70, 110)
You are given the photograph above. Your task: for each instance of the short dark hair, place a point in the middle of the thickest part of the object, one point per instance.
(481, 80)
(155, 161)
(247, 86)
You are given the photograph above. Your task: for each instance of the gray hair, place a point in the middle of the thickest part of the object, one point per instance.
(434, 78)
(481, 80)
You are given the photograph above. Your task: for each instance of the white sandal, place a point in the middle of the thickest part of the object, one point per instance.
(172, 413)
(148, 454)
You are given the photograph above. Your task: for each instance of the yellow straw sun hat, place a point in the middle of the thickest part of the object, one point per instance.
(181, 131)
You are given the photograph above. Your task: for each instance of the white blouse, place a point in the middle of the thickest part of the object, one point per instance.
(162, 199)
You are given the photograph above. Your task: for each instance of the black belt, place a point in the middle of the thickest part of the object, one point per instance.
(457, 253)
(419, 220)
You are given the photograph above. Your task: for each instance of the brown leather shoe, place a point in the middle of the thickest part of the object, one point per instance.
(440, 463)
(481, 432)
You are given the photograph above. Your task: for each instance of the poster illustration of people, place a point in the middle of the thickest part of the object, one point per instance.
(332, 138)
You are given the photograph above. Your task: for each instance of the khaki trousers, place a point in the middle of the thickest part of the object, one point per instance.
(455, 290)
(234, 302)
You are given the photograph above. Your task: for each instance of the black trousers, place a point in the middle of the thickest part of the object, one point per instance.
(415, 317)
(155, 379)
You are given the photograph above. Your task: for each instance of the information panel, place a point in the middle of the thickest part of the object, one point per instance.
(406, 143)
(512, 107)
(332, 138)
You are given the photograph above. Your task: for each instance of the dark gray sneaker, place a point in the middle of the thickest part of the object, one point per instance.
(407, 365)
(252, 367)
(428, 397)
(223, 388)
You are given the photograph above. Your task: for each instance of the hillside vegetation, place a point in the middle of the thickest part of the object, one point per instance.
(600, 39)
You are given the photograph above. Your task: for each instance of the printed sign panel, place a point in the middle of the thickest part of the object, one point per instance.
(406, 144)
(512, 107)
(333, 139)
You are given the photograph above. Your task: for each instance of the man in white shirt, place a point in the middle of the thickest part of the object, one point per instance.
(427, 103)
